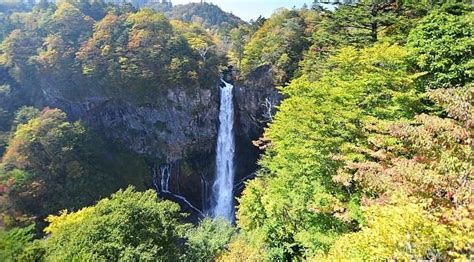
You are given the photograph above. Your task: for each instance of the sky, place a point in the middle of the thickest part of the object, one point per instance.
(248, 9)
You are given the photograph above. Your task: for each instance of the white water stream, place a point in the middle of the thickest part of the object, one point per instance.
(223, 187)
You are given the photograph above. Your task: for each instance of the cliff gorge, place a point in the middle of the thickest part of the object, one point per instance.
(177, 133)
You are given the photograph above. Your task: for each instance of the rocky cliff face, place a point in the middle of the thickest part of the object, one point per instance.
(177, 134)
(256, 99)
(179, 124)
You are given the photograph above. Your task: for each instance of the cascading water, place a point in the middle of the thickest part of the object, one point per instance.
(222, 189)
(165, 178)
(164, 188)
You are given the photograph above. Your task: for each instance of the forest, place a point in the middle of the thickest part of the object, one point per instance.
(365, 154)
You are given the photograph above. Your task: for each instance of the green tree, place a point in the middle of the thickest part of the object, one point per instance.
(279, 43)
(18, 49)
(245, 247)
(404, 231)
(238, 37)
(24, 114)
(127, 226)
(14, 242)
(70, 23)
(359, 24)
(208, 240)
(5, 95)
(138, 55)
(443, 45)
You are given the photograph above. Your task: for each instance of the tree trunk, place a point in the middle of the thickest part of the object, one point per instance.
(373, 31)
(374, 24)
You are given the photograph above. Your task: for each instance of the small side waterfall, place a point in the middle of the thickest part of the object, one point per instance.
(163, 187)
(222, 189)
(165, 178)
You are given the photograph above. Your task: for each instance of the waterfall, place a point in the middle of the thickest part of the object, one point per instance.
(222, 189)
(165, 178)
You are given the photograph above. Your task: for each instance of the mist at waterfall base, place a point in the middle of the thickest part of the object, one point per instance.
(223, 187)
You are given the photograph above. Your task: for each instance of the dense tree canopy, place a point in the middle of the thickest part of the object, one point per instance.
(444, 45)
(420, 171)
(52, 164)
(208, 240)
(14, 242)
(127, 226)
(297, 167)
(280, 43)
(81, 49)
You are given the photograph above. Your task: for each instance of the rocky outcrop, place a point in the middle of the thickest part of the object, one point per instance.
(256, 101)
(177, 125)
(180, 122)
